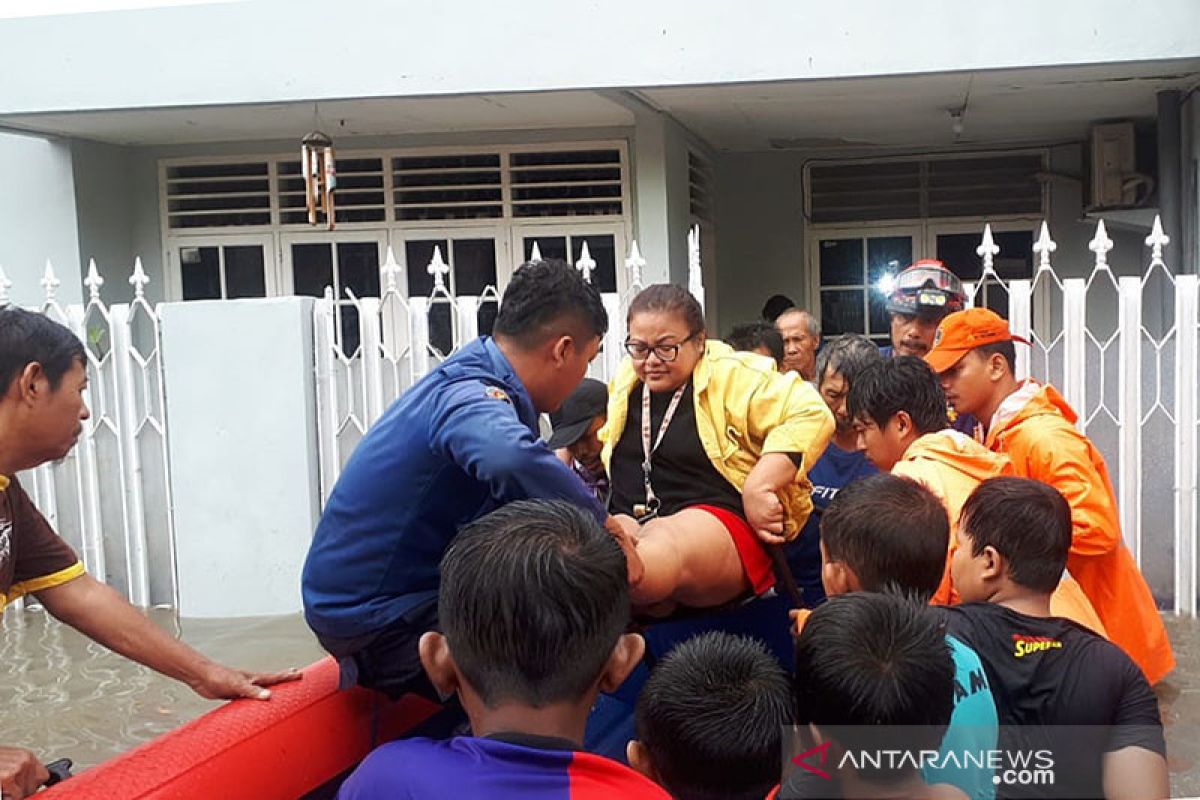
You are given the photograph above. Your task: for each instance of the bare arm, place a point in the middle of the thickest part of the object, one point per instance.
(760, 495)
(1135, 773)
(99, 612)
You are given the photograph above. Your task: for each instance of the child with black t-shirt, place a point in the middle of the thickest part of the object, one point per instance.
(1013, 539)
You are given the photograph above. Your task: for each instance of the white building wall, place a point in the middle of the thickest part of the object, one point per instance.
(104, 206)
(247, 52)
(37, 217)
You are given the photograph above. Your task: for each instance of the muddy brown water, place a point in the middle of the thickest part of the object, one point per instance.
(63, 695)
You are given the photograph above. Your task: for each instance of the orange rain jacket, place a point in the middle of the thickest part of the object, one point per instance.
(1035, 427)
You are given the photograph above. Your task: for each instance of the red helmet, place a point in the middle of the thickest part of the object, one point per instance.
(926, 289)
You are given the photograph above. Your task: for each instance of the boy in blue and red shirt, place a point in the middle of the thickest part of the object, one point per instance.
(534, 602)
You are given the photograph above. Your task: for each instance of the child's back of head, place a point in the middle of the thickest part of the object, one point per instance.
(533, 599)
(711, 719)
(1026, 523)
(890, 532)
(874, 672)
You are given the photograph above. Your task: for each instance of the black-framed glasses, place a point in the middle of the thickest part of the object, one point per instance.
(640, 351)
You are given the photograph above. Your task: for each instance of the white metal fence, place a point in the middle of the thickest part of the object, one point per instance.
(111, 496)
(1122, 350)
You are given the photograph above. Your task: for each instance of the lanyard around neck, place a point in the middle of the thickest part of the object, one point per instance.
(648, 449)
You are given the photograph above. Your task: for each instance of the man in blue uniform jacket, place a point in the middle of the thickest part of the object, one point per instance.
(459, 444)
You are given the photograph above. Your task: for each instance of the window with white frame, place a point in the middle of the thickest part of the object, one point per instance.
(873, 218)
(484, 205)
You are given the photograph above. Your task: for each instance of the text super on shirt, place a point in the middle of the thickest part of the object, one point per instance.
(1047, 672)
(32, 556)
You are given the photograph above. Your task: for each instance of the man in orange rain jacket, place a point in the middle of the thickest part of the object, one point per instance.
(899, 410)
(1031, 423)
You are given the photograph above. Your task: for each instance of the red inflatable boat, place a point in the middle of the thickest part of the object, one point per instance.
(299, 744)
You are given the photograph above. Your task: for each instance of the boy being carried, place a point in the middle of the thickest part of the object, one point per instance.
(534, 602)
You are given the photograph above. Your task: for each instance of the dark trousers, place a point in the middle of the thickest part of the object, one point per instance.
(387, 660)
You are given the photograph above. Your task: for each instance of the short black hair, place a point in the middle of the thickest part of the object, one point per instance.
(751, 335)
(1007, 349)
(847, 355)
(1026, 521)
(874, 672)
(776, 304)
(27, 337)
(904, 383)
(533, 598)
(671, 299)
(712, 717)
(891, 531)
(543, 293)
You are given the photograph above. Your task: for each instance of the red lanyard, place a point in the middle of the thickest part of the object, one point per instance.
(652, 502)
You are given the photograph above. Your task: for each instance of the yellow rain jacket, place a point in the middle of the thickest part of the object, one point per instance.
(744, 410)
(1035, 427)
(951, 465)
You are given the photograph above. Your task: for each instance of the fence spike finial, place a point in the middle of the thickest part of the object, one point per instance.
(93, 281)
(50, 282)
(390, 270)
(586, 264)
(1157, 239)
(1044, 246)
(988, 250)
(138, 279)
(1100, 245)
(635, 263)
(5, 285)
(438, 268)
(535, 256)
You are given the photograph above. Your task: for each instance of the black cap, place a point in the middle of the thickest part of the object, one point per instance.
(588, 401)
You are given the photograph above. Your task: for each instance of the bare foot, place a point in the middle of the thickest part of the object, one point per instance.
(624, 529)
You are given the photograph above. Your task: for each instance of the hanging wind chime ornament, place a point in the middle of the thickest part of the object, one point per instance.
(320, 176)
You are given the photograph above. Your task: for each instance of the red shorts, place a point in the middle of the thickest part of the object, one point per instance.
(756, 562)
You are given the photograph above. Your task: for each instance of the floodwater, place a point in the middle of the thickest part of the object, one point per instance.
(65, 696)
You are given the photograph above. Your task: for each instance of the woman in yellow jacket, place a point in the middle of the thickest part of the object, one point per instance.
(706, 451)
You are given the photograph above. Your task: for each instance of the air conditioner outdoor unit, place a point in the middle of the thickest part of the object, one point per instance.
(1116, 183)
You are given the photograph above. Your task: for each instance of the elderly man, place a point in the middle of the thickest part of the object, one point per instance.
(801, 339)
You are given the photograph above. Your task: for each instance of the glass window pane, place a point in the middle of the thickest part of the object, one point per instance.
(417, 255)
(996, 298)
(603, 251)
(841, 262)
(358, 268)
(842, 311)
(486, 317)
(245, 274)
(548, 246)
(474, 265)
(887, 254)
(312, 268)
(1015, 259)
(441, 334)
(957, 252)
(201, 272)
(881, 320)
(348, 327)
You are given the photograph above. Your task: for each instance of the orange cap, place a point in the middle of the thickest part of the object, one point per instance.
(963, 331)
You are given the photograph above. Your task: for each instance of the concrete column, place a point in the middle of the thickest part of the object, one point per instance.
(1170, 176)
(241, 408)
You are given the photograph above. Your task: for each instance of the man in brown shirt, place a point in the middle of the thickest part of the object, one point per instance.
(42, 378)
